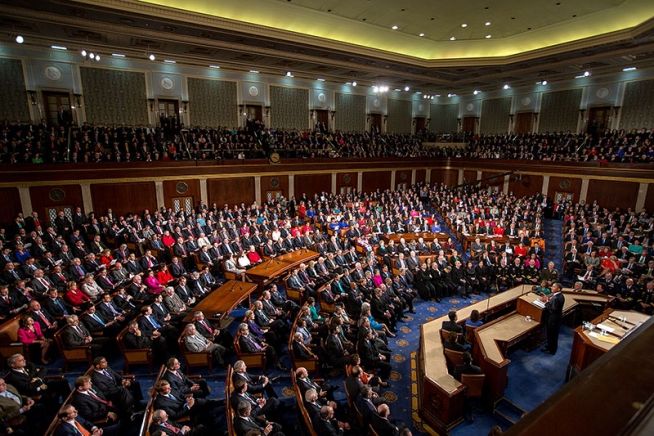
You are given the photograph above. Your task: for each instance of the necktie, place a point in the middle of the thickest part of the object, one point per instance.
(254, 343)
(171, 427)
(11, 396)
(43, 318)
(97, 318)
(154, 323)
(97, 398)
(61, 306)
(80, 429)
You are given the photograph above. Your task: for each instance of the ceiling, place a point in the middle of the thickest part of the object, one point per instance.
(137, 28)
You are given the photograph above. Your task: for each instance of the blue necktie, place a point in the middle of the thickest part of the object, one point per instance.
(97, 318)
(154, 322)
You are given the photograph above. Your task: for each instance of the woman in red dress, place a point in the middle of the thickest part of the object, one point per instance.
(75, 296)
(29, 333)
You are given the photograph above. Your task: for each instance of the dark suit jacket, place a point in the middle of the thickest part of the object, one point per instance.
(65, 429)
(107, 385)
(23, 381)
(89, 408)
(133, 342)
(173, 407)
(243, 425)
(55, 309)
(451, 326)
(72, 338)
(179, 383)
(383, 427)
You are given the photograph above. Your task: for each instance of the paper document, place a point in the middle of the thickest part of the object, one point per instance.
(539, 304)
(609, 339)
(605, 327)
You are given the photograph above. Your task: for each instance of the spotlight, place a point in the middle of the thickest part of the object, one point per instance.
(375, 89)
(84, 53)
(452, 38)
(586, 73)
(152, 57)
(506, 86)
(464, 25)
(629, 69)
(354, 83)
(91, 56)
(476, 91)
(406, 88)
(20, 39)
(487, 23)
(289, 74)
(488, 36)
(421, 35)
(544, 82)
(394, 27)
(97, 58)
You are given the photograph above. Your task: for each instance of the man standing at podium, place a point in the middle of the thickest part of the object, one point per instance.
(552, 317)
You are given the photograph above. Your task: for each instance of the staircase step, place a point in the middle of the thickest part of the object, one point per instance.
(508, 410)
(502, 417)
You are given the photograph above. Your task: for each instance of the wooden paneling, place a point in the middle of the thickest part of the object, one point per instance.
(564, 184)
(312, 184)
(345, 180)
(526, 184)
(420, 175)
(492, 179)
(377, 180)
(649, 199)
(448, 177)
(469, 176)
(613, 194)
(231, 191)
(10, 201)
(172, 189)
(274, 184)
(42, 198)
(123, 198)
(402, 176)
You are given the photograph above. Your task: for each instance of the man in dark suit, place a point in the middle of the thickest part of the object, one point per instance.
(161, 425)
(92, 405)
(245, 424)
(70, 424)
(181, 385)
(467, 367)
(381, 424)
(124, 392)
(256, 384)
(451, 325)
(27, 379)
(56, 306)
(553, 314)
(76, 335)
(134, 339)
(176, 407)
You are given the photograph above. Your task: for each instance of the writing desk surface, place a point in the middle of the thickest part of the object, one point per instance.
(276, 266)
(223, 299)
(434, 360)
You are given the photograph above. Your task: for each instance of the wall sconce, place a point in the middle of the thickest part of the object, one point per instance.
(151, 103)
(32, 95)
(78, 100)
(331, 114)
(267, 110)
(185, 105)
(312, 114)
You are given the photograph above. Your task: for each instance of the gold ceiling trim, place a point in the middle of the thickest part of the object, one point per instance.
(270, 19)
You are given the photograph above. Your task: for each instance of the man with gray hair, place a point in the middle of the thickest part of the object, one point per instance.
(161, 424)
(27, 379)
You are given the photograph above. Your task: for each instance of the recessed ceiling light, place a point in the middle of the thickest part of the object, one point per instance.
(464, 25)
(152, 57)
(214, 66)
(487, 23)
(544, 82)
(421, 35)
(320, 79)
(629, 69)
(354, 83)
(506, 86)
(476, 91)
(452, 38)
(169, 61)
(58, 47)
(406, 88)
(488, 36)
(254, 71)
(118, 55)
(20, 39)
(394, 27)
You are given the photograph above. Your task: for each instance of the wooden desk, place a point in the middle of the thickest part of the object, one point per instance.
(587, 347)
(275, 267)
(223, 300)
(573, 299)
(426, 236)
(440, 396)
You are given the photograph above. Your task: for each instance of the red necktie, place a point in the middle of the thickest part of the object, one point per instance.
(97, 398)
(207, 326)
(44, 319)
(171, 427)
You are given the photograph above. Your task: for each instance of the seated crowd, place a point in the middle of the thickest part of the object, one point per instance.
(83, 279)
(609, 251)
(24, 143)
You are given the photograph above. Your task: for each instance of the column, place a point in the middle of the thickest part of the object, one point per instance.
(87, 200)
(459, 180)
(360, 181)
(393, 180)
(427, 175)
(584, 190)
(478, 175)
(505, 188)
(158, 187)
(25, 200)
(257, 189)
(642, 195)
(291, 186)
(413, 176)
(204, 196)
(333, 183)
(546, 185)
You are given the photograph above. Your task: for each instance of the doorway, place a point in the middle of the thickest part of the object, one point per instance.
(57, 108)
(421, 123)
(168, 114)
(183, 203)
(375, 123)
(253, 112)
(322, 120)
(470, 124)
(523, 122)
(598, 119)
